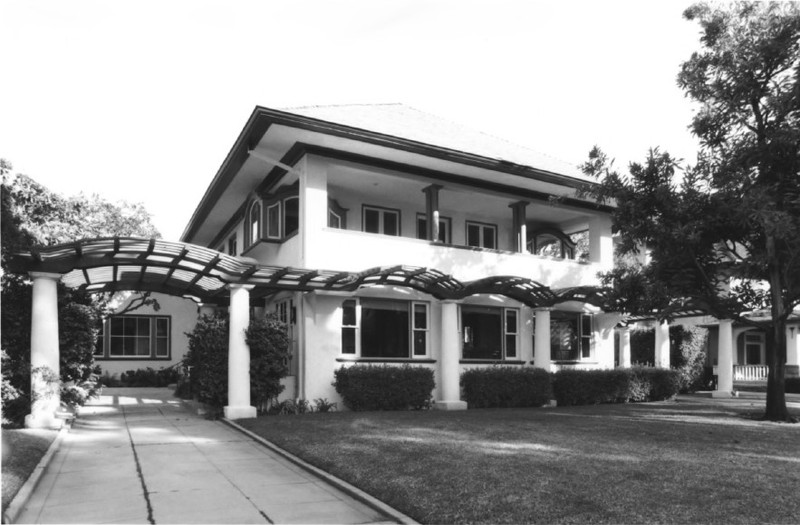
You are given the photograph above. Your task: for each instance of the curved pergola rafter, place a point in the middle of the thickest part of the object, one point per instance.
(154, 265)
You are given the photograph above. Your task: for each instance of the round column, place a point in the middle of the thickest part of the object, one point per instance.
(624, 347)
(662, 345)
(239, 355)
(45, 369)
(541, 339)
(449, 368)
(724, 360)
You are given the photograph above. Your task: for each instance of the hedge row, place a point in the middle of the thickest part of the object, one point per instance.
(368, 387)
(505, 387)
(591, 387)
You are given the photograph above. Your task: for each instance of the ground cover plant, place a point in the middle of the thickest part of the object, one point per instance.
(696, 460)
(22, 451)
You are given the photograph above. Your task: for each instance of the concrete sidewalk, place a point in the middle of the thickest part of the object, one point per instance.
(138, 456)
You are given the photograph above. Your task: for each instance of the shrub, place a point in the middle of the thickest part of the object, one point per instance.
(268, 340)
(687, 353)
(291, 407)
(207, 360)
(590, 387)
(506, 386)
(792, 385)
(323, 405)
(146, 377)
(367, 387)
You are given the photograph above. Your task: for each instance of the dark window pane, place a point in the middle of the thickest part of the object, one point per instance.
(349, 313)
(564, 337)
(483, 329)
(143, 327)
(511, 345)
(422, 228)
(488, 237)
(384, 329)
(420, 347)
(117, 346)
(334, 221)
(291, 213)
(162, 347)
(586, 325)
(473, 235)
(117, 325)
(586, 347)
(444, 230)
(390, 223)
(511, 321)
(372, 220)
(348, 340)
(142, 346)
(162, 327)
(274, 221)
(420, 316)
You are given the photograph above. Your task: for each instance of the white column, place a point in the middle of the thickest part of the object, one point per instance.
(541, 339)
(601, 243)
(725, 351)
(239, 355)
(793, 345)
(662, 345)
(449, 369)
(45, 369)
(624, 347)
(313, 212)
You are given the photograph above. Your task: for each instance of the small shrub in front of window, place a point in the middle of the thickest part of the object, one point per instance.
(368, 387)
(592, 387)
(505, 386)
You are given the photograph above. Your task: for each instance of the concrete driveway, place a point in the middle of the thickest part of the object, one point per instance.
(139, 456)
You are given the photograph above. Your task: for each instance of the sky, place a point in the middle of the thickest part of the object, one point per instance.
(141, 101)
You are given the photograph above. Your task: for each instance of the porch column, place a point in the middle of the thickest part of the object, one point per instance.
(450, 390)
(725, 351)
(541, 339)
(432, 211)
(45, 394)
(792, 348)
(624, 347)
(519, 224)
(662, 345)
(601, 243)
(239, 355)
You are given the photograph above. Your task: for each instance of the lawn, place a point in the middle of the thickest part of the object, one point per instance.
(690, 461)
(22, 450)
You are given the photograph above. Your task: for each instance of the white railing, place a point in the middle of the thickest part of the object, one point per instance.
(749, 372)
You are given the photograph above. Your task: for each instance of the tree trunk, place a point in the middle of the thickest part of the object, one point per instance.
(776, 341)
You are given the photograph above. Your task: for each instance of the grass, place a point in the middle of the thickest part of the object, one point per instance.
(692, 461)
(22, 450)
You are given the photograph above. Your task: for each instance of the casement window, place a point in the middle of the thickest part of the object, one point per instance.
(444, 228)
(383, 328)
(232, 247)
(552, 243)
(489, 332)
(570, 336)
(381, 220)
(286, 311)
(282, 218)
(255, 223)
(337, 216)
(481, 235)
(134, 337)
(291, 216)
(274, 221)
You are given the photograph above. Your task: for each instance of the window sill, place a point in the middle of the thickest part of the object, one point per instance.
(383, 360)
(490, 362)
(114, 358)
(574, 362)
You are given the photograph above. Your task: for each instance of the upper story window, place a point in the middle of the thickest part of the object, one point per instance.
(232, 246)
(255, 222)
(381, 220)
(134, 337)
(481, 235)
(337, 216)
(384, 328)
(445, 227)
(291, 215)
(551, 242)
(489, 332)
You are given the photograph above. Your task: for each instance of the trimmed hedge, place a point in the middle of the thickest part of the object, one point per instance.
(506, 386)
(591, 387)
(792, 385)
(368, 387)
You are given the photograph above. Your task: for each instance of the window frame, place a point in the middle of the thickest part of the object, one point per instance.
(254, 226)
(381, 220)
(233, 247)
(448, 228)
(105, 336)
(356, 329)
(583, 335)
(482, 237)
(505, 333)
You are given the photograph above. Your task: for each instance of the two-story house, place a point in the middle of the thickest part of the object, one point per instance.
(412, 204)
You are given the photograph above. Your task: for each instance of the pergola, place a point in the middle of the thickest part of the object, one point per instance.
(211, 277)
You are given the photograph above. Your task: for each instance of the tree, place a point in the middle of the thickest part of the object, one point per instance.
(726, 239)
(33, 215)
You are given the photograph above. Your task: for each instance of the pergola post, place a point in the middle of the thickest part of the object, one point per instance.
(541, 339)
(662, 345)
(624, 347)
(724, 360)
(45, 369)
(239, 355)
(450, 389)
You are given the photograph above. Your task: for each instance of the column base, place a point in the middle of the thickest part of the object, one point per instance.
(723, 394)
(50, 421)
(241, 412)
(450, 405)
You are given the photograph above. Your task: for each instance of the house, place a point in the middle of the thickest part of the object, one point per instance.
(380, 234)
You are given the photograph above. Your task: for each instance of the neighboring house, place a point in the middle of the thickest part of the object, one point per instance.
(396, 190)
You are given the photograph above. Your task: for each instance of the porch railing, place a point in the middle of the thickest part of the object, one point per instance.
(750, 372)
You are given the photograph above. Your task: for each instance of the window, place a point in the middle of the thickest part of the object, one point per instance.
(337, 216)
(444, 228)
(753, 347)
(232, 248)
(274, 221)
(255, 223)
(570, 336)
(481, 235)
(291, 216)
(489, 332)
(381, 220)
(135, 337)
(383, 328)
(552, 242)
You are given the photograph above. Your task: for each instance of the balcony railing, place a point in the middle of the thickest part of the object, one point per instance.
(750, 372)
